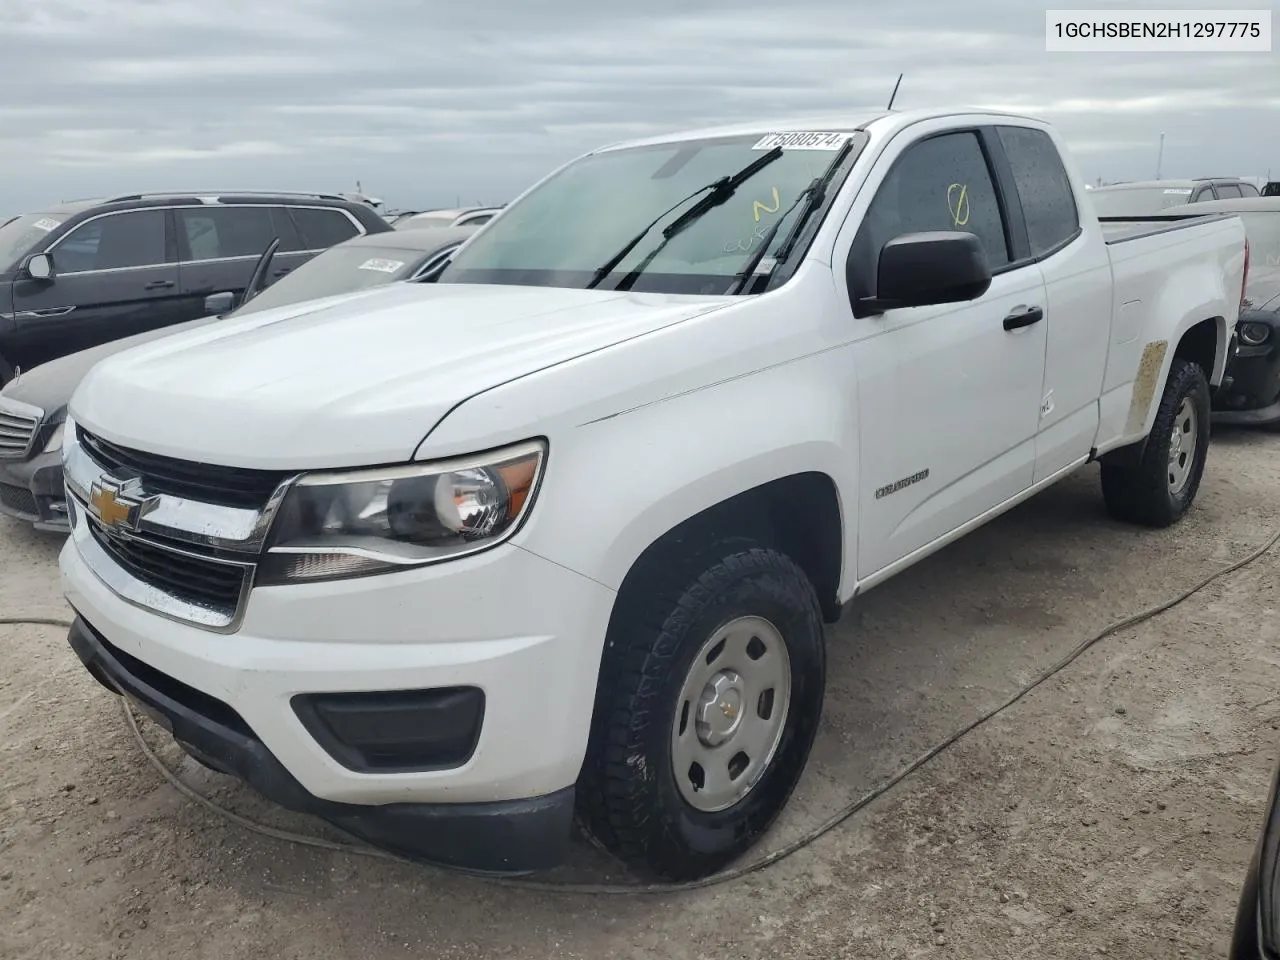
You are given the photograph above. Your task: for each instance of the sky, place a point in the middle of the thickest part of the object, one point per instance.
(427, 103)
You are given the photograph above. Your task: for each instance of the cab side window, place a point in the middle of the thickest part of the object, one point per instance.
(940, 183)
(218, 233)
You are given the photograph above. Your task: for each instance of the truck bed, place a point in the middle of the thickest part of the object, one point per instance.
(1186, 267)
(1123, 229)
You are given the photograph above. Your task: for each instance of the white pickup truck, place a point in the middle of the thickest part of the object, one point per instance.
(556, 534)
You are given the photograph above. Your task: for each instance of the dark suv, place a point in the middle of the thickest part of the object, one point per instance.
(88, 272)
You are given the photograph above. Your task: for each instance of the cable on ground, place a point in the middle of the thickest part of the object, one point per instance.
(734, 873)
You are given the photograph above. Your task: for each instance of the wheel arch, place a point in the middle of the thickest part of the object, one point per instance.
(798, 515)
(1204, 343)
(1199, 339)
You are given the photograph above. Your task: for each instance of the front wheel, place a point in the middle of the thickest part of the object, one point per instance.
(710, 694)
(1160, 487)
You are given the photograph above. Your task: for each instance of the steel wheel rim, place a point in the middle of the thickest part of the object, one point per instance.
(731, 714)
(1182, 445)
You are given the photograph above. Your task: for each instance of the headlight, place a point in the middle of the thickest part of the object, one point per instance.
(1254, 333)
(351, 523)
(54, 442)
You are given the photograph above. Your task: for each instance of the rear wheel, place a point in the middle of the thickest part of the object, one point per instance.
(1161, 485)
(710, 694)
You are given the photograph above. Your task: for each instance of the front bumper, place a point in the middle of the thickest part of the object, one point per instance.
(32, 491)
(505, 837)
(525, 631)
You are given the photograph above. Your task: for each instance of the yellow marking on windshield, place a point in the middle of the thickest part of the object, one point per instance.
(757, 206)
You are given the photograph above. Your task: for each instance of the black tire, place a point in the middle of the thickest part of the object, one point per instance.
(628, 798)
(1140, 492)
(1244, 935)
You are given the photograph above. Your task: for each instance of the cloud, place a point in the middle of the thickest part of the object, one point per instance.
(427, 102)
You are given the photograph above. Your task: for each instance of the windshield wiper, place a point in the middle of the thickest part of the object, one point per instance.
(812, 195)
(716, 194)
(607, 267)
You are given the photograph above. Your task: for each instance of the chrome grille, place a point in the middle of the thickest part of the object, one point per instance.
(194, 579)
(206, 482)
(19, 423)
(172, 536)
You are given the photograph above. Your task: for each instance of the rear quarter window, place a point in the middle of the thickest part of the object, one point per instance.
(1044, 189)
(322, 229)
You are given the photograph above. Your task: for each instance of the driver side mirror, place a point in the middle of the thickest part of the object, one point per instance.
(923, 269)
(217, 303)
(39, 266)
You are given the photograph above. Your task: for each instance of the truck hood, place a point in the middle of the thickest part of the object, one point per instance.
(357, 382)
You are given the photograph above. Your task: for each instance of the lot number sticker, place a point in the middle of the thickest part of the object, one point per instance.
(802, 140)
(382, 266)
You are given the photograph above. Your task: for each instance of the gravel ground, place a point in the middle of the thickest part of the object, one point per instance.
(1112, 811)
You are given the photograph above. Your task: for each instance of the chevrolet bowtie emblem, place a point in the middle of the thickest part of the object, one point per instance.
(119, 506)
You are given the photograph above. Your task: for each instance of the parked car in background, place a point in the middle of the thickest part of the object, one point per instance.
(466, 217)
(83, 273)
(1250, 391)
(364, 262)
(1145, 197)
(555, 536)
(34, 406)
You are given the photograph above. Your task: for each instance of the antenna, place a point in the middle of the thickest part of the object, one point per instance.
(893, 96)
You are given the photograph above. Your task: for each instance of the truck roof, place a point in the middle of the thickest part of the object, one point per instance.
(853, 120)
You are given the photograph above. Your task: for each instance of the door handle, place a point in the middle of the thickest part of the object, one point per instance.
(158, 285)
(1023, 317)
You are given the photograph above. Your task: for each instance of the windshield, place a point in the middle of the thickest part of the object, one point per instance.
(1138, 202)
(338, 270)
(21, 234)
(563, 231)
